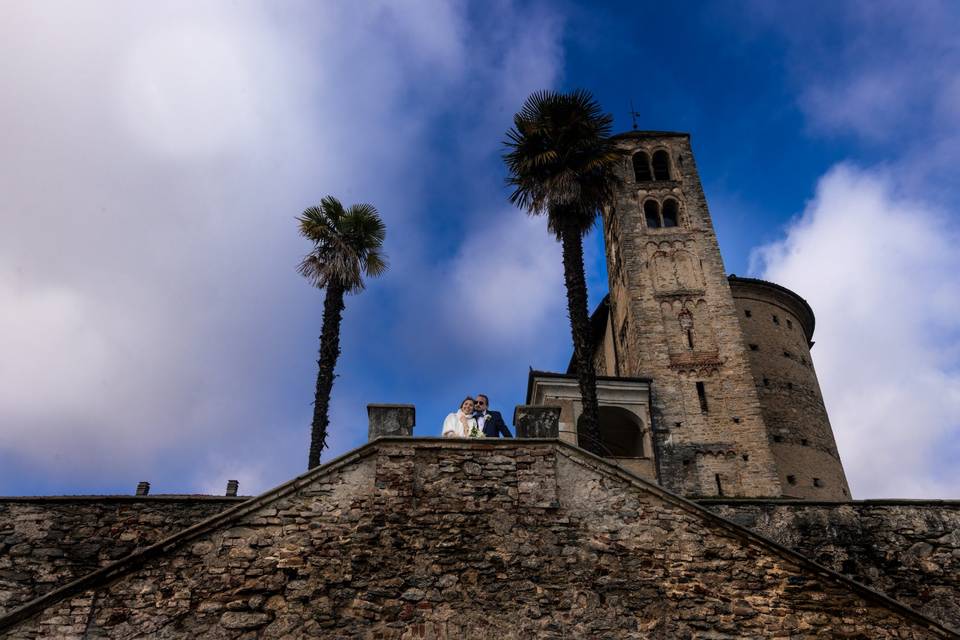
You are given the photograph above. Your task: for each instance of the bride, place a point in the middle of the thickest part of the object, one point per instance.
(461, 424)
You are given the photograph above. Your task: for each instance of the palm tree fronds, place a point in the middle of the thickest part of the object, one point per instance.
(344, 240)
(312, 268)
(559, 153)
(376, 264)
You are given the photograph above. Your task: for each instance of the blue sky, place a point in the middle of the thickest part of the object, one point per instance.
(155, 158)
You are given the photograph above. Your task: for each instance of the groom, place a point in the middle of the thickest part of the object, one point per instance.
(490, 422)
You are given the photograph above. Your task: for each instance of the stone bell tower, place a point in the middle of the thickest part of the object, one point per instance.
(672, 319)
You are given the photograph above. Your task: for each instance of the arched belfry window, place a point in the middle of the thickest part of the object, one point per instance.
(671, 213)
(641, 167)
(651, 210)
(661, 165)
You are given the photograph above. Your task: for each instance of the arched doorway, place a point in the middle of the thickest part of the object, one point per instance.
(621, 433)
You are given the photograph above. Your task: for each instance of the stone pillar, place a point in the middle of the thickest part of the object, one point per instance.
(143, 488)
(390, 420)
(535, 421)
(232, 487)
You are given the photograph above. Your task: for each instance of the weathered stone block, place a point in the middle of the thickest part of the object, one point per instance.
(390, 420)
(536, 421)
(242, 620)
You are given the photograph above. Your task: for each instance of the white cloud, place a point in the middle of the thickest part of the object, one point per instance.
(870, 105)
(154, 159)
(880, 69)
(191, 90)
(874, 250)
(879, 269)
(506, 284)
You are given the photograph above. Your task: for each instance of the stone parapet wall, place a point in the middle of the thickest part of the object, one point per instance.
(47, 542)
(443, 539)
(909, 550)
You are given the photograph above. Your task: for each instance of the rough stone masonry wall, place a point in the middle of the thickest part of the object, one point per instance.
(47, 542)
(796, 419)
(448, 539)
(909, 550)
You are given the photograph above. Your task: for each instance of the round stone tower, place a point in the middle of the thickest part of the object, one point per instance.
(777, 327)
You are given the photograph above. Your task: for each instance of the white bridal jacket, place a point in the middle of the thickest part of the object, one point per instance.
(453, 428)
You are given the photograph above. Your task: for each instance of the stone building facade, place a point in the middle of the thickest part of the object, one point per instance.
(735, 405)
(778, 330)
(429, 538)
(625, 434)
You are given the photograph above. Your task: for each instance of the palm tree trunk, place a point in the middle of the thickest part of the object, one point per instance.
(326, 363)
(589, 425)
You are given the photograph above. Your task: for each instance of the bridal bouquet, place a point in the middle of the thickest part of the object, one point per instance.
(475, 431)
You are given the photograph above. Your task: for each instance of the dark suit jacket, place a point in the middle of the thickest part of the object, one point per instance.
(494, 426)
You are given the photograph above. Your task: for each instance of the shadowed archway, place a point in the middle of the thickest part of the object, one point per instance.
(621, 433)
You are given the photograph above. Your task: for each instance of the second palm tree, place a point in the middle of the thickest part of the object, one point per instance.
(562, 163)
(347, 245)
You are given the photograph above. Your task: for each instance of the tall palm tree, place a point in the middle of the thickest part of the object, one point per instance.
(347, 245)
(561, 161)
